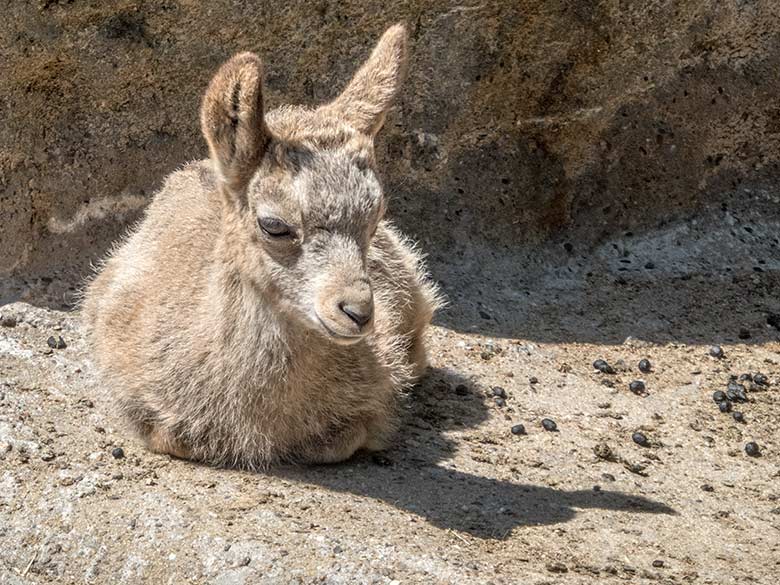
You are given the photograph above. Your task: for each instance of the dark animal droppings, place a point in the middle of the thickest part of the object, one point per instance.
(518, 430)
(761, 379)
(645, 366)
(56, 342)
(719, 396)
(499, 391)
(738, 416)
(549, 425)
(725, 406)
(637, 386)
(752, 449)
(640, 439)
(716, 351)
(118, 453)
(603, 367)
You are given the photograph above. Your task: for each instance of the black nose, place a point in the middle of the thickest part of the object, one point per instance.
(359, 315)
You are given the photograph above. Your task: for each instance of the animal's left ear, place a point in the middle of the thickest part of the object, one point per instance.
(365, 101)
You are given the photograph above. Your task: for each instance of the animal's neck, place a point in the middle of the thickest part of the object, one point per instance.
(251, 325)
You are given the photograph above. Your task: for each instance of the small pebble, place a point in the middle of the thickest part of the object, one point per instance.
(716, 351)
(752, 449)
(640, 439)
(761, 379)
(381, 460)
(499, 391)
(744, 333)
(118, 453)
(461, 390)
(738, 416)
(603, 367)
(645, 366)
(518, 430)
(557, 568)
(719, 396)
(8, 321)
(658, 563)
(244, 562)
(745, 378)
(707, 488)
(649, 265)
(56, 342)
(533, 380)
(724, 406)
(549, 425)
(500, 402)
(637, 386)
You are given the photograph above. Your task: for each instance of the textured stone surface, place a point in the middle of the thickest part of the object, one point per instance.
(521, 121)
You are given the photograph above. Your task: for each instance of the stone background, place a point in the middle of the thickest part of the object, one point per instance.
(521, 123)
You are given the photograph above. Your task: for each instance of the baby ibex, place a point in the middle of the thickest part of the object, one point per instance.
(264, 309)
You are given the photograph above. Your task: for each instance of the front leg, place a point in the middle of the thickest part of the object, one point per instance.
(161, 441)
(337, 447)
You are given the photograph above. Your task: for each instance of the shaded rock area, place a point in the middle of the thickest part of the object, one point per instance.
(521, 122)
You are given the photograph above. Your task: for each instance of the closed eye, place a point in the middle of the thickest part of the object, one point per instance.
(274, 227)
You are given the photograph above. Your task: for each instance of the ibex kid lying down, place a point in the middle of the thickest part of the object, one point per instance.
(264, 309)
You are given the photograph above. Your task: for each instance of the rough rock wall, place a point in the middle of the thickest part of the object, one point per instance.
(520, 121)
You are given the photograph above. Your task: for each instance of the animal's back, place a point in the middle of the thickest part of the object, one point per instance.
(157, 271)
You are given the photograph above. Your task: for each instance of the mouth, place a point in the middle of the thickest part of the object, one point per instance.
(338, 337)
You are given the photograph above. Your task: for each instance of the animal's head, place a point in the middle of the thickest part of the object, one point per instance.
(301, 195)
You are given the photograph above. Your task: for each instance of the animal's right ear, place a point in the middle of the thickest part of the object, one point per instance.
(231, 118)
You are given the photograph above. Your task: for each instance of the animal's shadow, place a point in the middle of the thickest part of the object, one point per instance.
(410, 478)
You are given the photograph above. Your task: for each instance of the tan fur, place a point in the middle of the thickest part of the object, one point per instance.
(227, 344)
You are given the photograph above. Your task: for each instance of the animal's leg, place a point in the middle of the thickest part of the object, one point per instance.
(161, 441)
(338, 447)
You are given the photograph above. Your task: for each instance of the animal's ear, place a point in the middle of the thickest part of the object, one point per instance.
(231, 118)
(365, 101)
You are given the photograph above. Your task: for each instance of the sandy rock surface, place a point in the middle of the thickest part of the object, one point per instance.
(459, 498)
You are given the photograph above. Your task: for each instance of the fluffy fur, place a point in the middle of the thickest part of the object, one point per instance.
(227, 343)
